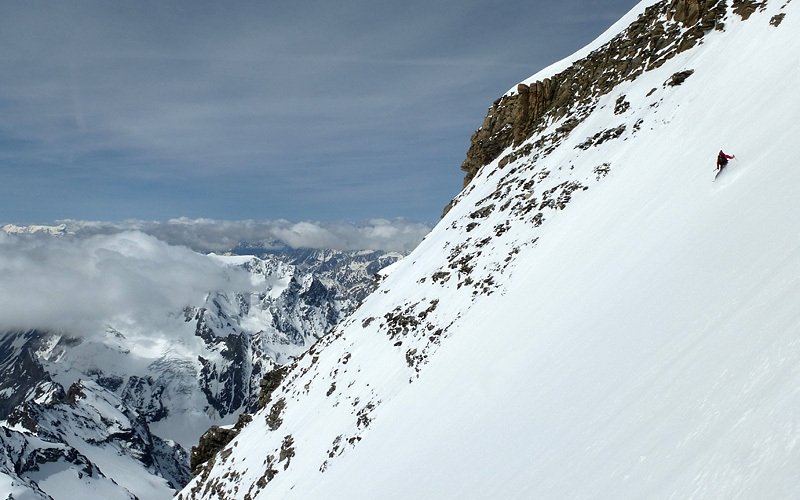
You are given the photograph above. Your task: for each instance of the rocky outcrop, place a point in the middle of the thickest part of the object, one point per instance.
(271, 381)
(745, 8)
(21, 371)
(214, 440)
(662, 31)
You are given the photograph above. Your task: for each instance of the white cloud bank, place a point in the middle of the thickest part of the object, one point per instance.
(72, 283)
(76, 275)
(208, 235)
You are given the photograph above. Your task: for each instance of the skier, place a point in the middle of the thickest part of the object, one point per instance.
(722, 160)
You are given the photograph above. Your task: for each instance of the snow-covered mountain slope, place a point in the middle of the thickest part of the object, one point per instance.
(122, 406)
(353, 270)
(34, 228)
(593, 317)
(86, 442)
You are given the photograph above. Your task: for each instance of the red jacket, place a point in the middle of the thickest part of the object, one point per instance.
(722, 159)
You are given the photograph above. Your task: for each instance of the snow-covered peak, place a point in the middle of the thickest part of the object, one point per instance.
(58, 229)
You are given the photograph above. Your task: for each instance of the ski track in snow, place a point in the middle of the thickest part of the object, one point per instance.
(730, 174)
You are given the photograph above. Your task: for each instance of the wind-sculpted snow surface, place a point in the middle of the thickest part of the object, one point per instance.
(593, 318)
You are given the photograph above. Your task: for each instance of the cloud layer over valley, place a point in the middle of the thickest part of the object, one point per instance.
(76, 275)
(75, 284)
(208, 235)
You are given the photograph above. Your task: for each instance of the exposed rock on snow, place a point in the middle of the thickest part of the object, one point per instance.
(214, 439)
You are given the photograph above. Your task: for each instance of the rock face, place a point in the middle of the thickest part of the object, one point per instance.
(213, 441)
(354, 271)
(662, 31)
(21, 371)
(745, 8)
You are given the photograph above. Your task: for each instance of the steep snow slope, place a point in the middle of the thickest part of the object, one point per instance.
(595, 318)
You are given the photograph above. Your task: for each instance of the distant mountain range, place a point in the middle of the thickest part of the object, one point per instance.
(35, 228)
(117, 411)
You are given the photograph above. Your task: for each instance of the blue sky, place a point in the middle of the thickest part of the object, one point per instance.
(260, 110)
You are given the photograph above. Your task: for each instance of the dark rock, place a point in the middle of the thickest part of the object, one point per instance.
(21, 371)
(678, 78)
(745, 8)
(214, 440)
(621, 105)
(271, 381)
(274, 419)
(777, 19)
(74, 393)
